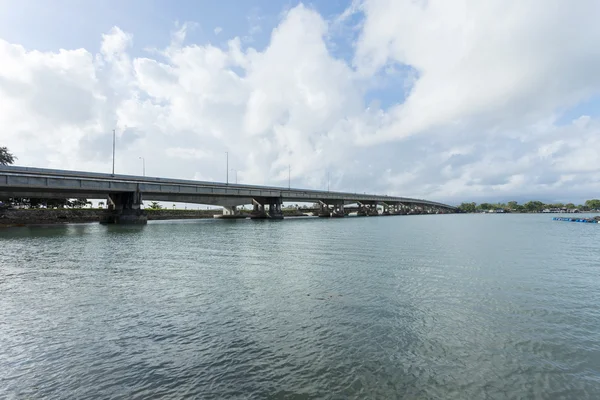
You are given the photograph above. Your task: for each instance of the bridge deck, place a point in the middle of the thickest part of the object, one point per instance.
(46, 183)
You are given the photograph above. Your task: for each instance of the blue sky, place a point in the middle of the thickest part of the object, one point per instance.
(74, 24)
(447, 100)
(71, 24)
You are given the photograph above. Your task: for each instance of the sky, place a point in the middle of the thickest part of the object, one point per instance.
(446, 100)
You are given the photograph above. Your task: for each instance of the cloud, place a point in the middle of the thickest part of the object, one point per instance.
(504, 64)
(185, 153)
(478, 90)
(115, 43)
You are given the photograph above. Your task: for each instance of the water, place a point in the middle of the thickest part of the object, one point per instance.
(447, 307)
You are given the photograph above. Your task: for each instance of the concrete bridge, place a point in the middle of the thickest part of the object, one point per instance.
(125, 194)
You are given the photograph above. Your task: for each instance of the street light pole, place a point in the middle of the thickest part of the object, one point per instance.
(143, 165)
(114, 139)
(227, 154)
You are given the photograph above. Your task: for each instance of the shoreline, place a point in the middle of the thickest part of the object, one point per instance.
(11, 218)
(43, 217)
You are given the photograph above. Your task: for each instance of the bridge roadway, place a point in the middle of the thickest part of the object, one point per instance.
(125, 194)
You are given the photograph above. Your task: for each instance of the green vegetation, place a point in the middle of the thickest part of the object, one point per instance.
(154, 206)
(37, 203)
(6, 158)
(593, 204)
(292, 211)
(529, 207)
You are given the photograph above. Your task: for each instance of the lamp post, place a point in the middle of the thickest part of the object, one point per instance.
(227, 168)
(114, 139)
(143, 165)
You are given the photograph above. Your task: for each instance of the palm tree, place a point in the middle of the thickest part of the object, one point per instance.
(154, 206)
(6, 158)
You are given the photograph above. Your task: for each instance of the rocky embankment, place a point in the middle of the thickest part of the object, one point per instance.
(16, 217)
(19, 217)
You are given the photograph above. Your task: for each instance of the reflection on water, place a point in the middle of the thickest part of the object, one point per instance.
(459, 306)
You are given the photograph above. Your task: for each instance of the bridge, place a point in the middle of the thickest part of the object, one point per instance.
(125, 194)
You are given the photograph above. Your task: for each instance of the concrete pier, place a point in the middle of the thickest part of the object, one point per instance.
(362, 210)
(367, 209)
(258, 211)
(275, 211)
(338, 211)
(124, 209)
(267, 208)
(230, 212)
(324, 211)
(386, 209)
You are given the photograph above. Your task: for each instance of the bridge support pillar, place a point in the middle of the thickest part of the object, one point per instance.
(367, 209)
(261, 212)
(338, 210)
(415, 209)
(324, 211)
(230, 212)
(386, 209)
(362, 210)
(372, 210)
(275, 211)
(125, 209)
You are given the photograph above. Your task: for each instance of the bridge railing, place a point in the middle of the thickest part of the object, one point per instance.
(149, 184)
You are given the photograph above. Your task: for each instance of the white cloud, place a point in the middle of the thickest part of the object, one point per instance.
(115, 43)
(509, 62)
(484, 85)
(185, 153)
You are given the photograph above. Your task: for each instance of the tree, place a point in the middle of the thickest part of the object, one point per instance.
(593, 204)
(80, 203)
(6, 158)
(534, 206)
(467, 207)
(101, 204)
(56, 203)
(513, 205)
(154, 206)
(570, 206)
(485, 206)
(36, 203)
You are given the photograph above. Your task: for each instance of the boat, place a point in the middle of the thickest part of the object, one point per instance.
(594, 220)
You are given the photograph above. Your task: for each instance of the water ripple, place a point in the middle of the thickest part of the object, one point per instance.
(447, 307)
